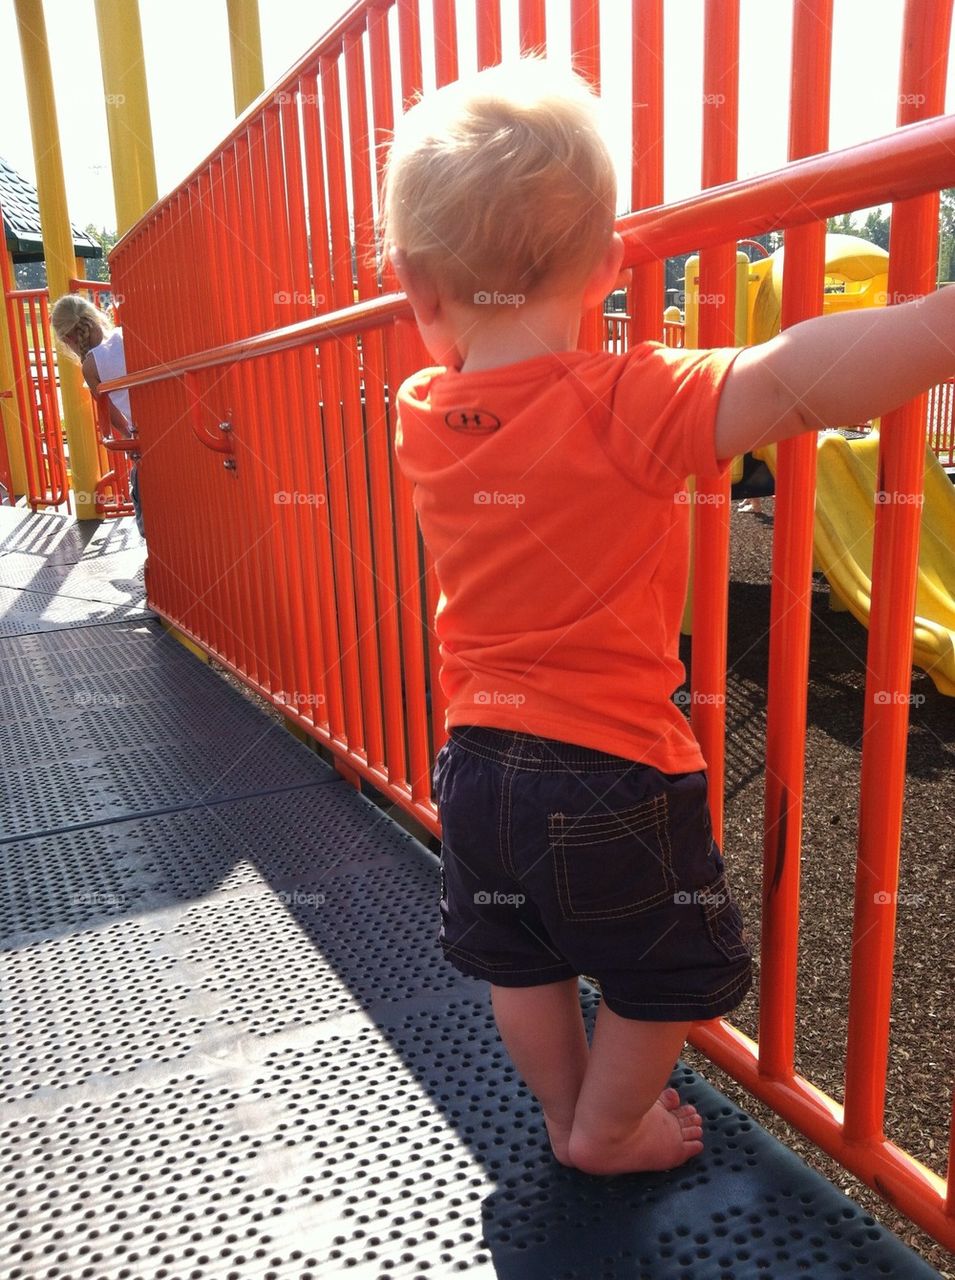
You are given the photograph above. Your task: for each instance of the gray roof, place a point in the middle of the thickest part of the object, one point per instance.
(21, 220)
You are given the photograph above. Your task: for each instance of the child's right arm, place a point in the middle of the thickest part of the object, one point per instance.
(833, 371)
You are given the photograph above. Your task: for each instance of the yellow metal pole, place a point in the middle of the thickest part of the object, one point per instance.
(9, 413)
(245, 42)
(127, 109)
(57, 242)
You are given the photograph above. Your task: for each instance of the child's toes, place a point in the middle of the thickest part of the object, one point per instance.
(670, 1099)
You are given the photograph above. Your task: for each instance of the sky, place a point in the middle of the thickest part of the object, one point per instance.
(190, 92)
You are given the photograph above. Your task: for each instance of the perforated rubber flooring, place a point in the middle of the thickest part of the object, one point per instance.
(233, 1049)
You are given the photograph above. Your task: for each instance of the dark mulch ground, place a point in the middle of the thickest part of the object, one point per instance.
(920, 1066)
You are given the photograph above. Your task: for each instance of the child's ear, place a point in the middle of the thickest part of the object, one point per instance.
(419, 287)
(604, 275)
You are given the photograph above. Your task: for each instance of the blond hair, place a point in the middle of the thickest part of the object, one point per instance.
(73, 316)
(501, 183)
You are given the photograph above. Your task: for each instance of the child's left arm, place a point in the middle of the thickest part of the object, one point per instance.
(833, 371)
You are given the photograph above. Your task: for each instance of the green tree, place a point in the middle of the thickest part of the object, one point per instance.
(875, 229)
(842, 226)
(946, 236)
(98, 268)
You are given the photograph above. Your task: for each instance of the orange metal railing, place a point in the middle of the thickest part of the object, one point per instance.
(283, 538)
(36, 391)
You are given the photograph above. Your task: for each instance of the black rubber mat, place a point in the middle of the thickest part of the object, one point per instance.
(235, 1051)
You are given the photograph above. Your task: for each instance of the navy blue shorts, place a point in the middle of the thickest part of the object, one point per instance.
(559, 860)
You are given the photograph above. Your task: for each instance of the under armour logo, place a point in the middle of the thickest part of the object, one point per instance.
(477, 421)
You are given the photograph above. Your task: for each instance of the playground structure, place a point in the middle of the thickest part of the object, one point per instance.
(283, 544)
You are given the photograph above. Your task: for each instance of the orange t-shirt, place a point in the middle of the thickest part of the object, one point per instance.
(551, 495)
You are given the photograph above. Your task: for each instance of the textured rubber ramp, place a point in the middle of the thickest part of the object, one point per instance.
(233, 1048)
(98, 724)
(236, 1051)
(56, 572)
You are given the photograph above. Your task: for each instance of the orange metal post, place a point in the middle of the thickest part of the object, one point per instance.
(913, 258)
(409, 44)
(792, 578)
(533, 20)
(646, 173)
(445, 42)
(488, 16)
(717, 329)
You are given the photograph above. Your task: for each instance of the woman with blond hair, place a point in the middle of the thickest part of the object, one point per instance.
(89, 337)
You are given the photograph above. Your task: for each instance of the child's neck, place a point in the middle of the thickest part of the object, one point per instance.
(519, 333)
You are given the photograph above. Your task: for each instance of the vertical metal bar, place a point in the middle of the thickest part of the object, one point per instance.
(913, 250)
(711, 518)
(245, 178)
(790, 601)
(327, 393)
(585, 56)
(533, 20)
(376, 646)
(445, 42)
(274, 470)
(230, 572)
(409, 45)
(488, 22)
(54, 432)
(585, 39)
(273, 222)
(646, 173)
(406, 355)
(338, 372)
(304, 397)
(381, 91)
(380, 389)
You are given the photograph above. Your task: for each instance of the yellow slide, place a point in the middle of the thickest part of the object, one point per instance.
(844, 529)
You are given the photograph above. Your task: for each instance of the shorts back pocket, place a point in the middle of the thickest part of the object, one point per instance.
(724, 920)
(608, 866)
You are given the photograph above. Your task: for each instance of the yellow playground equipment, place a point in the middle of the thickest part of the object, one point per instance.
(846, 482)
(856, 276)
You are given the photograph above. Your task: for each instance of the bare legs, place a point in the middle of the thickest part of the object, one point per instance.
(606, 1108)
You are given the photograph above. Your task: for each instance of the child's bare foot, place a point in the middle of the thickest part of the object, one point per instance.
(559, 1134)
(665, 1138)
